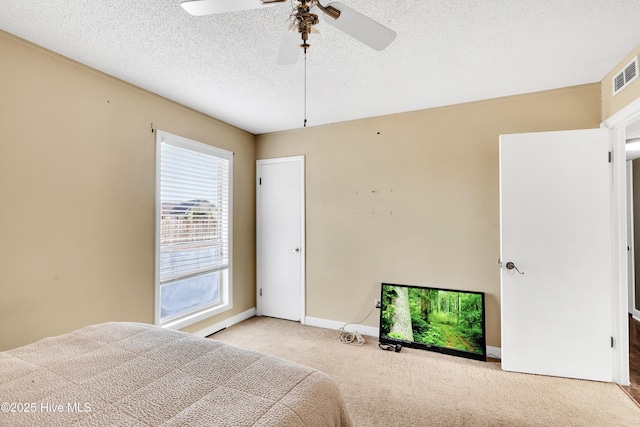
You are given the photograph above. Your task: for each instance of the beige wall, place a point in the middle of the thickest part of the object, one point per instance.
(612, 104)
(77, 195)
(407, 198)
(414, 198)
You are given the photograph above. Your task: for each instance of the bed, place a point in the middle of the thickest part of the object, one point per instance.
(133, 374)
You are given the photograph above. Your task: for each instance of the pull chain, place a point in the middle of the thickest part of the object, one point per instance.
(305, 88)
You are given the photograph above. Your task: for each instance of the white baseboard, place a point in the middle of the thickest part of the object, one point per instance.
(226, 323)
(372, 331)
(636, 314)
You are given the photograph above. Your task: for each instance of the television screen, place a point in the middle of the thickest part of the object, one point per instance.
(443, 320)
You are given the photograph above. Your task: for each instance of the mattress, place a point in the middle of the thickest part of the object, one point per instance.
(132, 374)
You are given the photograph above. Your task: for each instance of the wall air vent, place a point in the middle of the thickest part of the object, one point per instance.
(628, 74)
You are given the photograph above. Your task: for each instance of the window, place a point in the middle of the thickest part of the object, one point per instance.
(193, 231)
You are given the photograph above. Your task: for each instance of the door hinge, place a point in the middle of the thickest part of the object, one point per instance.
(611, 342)
(261, 295)
(610, 156)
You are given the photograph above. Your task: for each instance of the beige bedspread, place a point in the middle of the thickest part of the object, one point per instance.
(131, 374)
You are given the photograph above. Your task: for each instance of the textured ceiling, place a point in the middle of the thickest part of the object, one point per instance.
(446, 52)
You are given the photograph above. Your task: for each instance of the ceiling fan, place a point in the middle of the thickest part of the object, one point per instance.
(302, 22)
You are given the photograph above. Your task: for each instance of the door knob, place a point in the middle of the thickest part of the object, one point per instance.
(511, 266)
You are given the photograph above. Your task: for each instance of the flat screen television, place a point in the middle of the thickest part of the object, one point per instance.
(444, 320)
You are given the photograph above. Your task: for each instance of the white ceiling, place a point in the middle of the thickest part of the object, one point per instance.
(446, 52)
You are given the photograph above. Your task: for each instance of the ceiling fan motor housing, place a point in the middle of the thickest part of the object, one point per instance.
(306, 20)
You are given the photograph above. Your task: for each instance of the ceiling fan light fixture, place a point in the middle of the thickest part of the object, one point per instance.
(293, 24)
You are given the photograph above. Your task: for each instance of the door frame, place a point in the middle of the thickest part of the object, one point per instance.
(302, 257)
(620, 293)
(630, 241)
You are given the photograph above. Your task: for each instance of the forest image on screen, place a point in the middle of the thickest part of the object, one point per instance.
(433, 317)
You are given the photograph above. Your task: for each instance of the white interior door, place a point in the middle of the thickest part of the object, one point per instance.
(555, 219)
(280, 238)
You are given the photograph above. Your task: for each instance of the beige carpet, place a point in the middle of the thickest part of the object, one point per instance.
(422, 388)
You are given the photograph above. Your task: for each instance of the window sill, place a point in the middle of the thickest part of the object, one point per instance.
(196, 317)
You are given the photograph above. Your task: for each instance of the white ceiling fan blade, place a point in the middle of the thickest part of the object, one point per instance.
(360, 27)
(289, 47)
(211, 7)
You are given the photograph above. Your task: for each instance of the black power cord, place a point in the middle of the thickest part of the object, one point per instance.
(390, 347)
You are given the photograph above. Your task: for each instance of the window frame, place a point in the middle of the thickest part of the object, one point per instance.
(226, 288)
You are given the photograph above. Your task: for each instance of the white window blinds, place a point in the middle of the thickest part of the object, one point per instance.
(195, 208)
